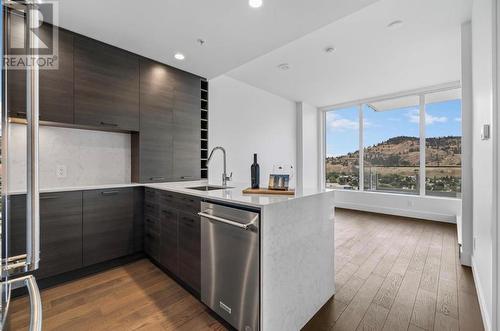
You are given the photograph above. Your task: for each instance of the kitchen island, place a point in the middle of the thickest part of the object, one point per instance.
(295, 238)
(297, 274)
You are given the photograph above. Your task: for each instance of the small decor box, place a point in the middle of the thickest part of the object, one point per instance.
(279, 182)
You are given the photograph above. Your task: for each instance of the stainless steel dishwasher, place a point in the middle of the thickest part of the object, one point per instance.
(230, 264)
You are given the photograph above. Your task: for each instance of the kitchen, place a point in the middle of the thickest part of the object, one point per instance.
(128, 138)
(248, 165)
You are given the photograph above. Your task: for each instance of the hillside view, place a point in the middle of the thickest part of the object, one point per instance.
(393, 165)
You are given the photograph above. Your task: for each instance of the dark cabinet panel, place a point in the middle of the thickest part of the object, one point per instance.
(108, 224)
(60, 231)
(138, 219)
(152, 237)
(189, 250)
(168, 146)
(56, 85)
(187, 127)
(169, 252)
(106, 86)
(155, 141)
(179, 234)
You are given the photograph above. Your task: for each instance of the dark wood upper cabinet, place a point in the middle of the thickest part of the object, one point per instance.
(187, 127)
(108, 224)
(60, 231)
(106, 86)
(56, 85)
(168, 145)
(154, 143)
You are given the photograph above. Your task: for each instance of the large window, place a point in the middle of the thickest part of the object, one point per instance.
(391, 146)
(410, 144)
(443, 143)
(342, 149)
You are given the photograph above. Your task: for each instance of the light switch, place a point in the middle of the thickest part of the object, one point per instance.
(485, 132)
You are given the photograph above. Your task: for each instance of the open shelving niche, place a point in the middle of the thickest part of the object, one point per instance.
(204, 127)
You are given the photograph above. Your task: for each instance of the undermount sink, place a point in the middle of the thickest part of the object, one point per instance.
(208, 188)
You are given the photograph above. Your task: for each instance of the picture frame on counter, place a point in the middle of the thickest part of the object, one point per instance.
(279, 182)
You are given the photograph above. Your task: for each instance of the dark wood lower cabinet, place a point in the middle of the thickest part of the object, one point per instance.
(60, 231)
(108, 224)
(179, 234)
(169, 250)
(189, 250)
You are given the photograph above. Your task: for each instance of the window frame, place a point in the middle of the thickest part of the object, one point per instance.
(420, 93)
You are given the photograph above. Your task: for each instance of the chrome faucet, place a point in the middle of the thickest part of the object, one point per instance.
(225, 177)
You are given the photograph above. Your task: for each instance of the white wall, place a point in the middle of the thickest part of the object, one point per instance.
(482, 64)
(308, 154)
(91, 157)
(247, 120)
(430, 208)
(465, 221)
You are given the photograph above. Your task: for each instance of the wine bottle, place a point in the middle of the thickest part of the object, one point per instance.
(255, 172)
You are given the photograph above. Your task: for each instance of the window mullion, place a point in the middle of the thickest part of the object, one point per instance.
(422, 144)
(361, 150)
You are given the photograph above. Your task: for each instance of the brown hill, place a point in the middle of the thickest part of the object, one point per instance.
(403, 151)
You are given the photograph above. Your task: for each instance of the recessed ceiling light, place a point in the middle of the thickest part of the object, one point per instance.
(284, 66)
(255, 3)
(330, 49)
(395, 24)
(179, 56)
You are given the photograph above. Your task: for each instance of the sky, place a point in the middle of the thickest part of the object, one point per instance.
(342, 126)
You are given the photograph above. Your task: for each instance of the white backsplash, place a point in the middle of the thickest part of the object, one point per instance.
(90, 157)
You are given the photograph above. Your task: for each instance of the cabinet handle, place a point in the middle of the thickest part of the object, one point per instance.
(21, 113)
(187, 177)
(109, 192)
(47, 197)
(109, 124)
(157, 178)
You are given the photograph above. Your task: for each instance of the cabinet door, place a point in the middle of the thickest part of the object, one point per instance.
(56, 85)
(60, 231)
(189, 250)
(106, 86)
(108, 224)
(169, 256)
(187, 126)
(138, 219)
(155, 146)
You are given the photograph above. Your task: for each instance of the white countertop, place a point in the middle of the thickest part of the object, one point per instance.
(233, 194)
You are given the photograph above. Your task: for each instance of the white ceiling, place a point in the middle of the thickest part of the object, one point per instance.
(234, 32)
(370, 59)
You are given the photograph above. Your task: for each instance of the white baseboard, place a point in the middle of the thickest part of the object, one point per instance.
(399, 212)
(480, 297)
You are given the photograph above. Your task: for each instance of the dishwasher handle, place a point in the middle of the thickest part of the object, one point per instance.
(245, 226)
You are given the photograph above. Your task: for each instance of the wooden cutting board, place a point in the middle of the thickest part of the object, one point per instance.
(267, 191)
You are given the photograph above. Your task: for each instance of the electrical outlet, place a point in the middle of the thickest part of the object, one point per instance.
(61, 171)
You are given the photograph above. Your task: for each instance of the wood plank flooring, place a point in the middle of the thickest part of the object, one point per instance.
(392, 273)
(395, 273)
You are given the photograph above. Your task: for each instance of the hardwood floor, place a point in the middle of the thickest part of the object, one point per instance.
(137, 296)
(392, 273)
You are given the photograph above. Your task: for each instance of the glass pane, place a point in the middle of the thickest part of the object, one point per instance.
(391, 146)
(443, 129)
(342, 149)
